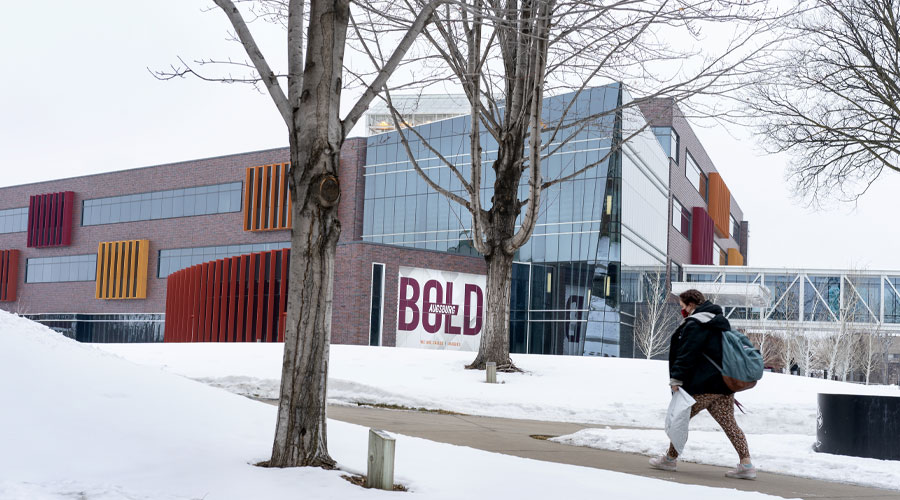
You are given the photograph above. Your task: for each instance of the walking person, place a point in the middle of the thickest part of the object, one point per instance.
(699, 336)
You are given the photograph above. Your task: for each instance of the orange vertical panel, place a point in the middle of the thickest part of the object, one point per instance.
(270, 311)
(279, 197)
(99, 273)
(289, 203)
(719, 204)
(266, 199)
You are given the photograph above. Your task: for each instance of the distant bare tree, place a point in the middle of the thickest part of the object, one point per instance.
(870, 350)
(656, 317)
(310, 108)
(507, 55)
(833, 102)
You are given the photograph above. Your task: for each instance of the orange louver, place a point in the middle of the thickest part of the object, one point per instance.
(267, 199)
(122, 269)
(735, 258)
(719, 204)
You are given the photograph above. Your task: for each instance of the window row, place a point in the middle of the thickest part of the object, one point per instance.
(14, 220)
(182, 258)
(203, 200)
(59, 269)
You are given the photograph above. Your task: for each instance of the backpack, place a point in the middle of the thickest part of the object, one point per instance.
(742, 363)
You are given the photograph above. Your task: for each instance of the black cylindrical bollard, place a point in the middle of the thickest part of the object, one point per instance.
(859, 426)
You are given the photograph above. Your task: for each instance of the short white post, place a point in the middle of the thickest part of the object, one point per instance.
(490, 369)
(381, 461)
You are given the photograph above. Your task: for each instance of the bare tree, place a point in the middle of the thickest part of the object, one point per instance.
(833, 101)
(837, 348)
(507, 55)
(869, 348)
(309, 104)
(656, 317)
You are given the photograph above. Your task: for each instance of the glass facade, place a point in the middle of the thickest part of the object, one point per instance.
(14, 220)
(59, 269)
(565, 297)
(177, 259)
(202, 200)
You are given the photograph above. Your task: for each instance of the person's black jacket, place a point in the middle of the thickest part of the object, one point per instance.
(691, 340)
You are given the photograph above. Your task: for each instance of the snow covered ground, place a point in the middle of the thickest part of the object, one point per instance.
(780, 419)
(79, 423)
(612, 391)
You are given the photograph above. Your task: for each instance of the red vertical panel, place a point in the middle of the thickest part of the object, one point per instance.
(232, 294)
(207, 301)
(170, 312)
(47, 215)
(186, 293)
(202, 303)
(216, 303)
(30, 234)
(68, 207)
(270, 288)
(260, 295)
(282, 308)
(223, 302)
(195, 303)
(242, 277)
(701, 237)
(51, 229)
(251, 295)
(176, 280)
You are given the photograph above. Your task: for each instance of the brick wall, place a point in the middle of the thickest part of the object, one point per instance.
(353, 285)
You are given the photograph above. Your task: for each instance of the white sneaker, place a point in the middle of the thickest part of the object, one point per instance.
(663, 462)
(742, 472)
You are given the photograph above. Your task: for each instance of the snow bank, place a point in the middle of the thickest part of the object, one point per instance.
(789, 454)
(612, 391)
(79, 423)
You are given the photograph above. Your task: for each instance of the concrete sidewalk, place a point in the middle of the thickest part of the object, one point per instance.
(513, 437)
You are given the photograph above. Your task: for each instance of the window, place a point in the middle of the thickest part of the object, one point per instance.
(719, 255)
(735, 229)
(14, 220)
(180, 258)
(59, 269)
(202, 200)
(377, 304)
(681, 218)
(669, 141)
(695, 175)
(676, 272)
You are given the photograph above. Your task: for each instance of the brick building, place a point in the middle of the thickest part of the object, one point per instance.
(91, 255)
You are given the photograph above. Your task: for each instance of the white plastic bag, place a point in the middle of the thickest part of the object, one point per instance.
(678, 418)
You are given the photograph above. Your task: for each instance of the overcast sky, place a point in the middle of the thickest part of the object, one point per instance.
(76, 98)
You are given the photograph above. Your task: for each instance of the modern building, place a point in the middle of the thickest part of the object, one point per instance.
(91, 255)
(416, 109)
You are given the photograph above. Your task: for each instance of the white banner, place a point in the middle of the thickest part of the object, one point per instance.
(439, 309)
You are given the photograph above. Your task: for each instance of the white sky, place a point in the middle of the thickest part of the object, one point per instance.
(76, 98)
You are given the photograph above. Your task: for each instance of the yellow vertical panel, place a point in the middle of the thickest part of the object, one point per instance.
(247, 203)
(127, 275)
(264, 196)
(143, 259)
(120, 263)
(735, 258)
(101, 247)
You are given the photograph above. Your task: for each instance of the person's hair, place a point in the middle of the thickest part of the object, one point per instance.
(692, 297)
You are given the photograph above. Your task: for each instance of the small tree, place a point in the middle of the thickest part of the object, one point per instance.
(655, 317)
(310, 108)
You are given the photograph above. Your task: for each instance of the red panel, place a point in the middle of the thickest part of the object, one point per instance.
(50, 219)
(701, 237)
(285, 259)
(208, 310)
(201, 334)
(195, 303)
(242, 298)
(223, 302)
(216, 303)
(68, 207)
(260, 294)
(270, 286)
(9, 275)
(233, 303)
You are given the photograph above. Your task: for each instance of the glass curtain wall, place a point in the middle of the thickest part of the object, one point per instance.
(566, 285)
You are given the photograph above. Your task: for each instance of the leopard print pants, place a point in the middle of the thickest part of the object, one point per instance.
(721, 407)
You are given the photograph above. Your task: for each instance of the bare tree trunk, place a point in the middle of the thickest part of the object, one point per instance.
(495, 336)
